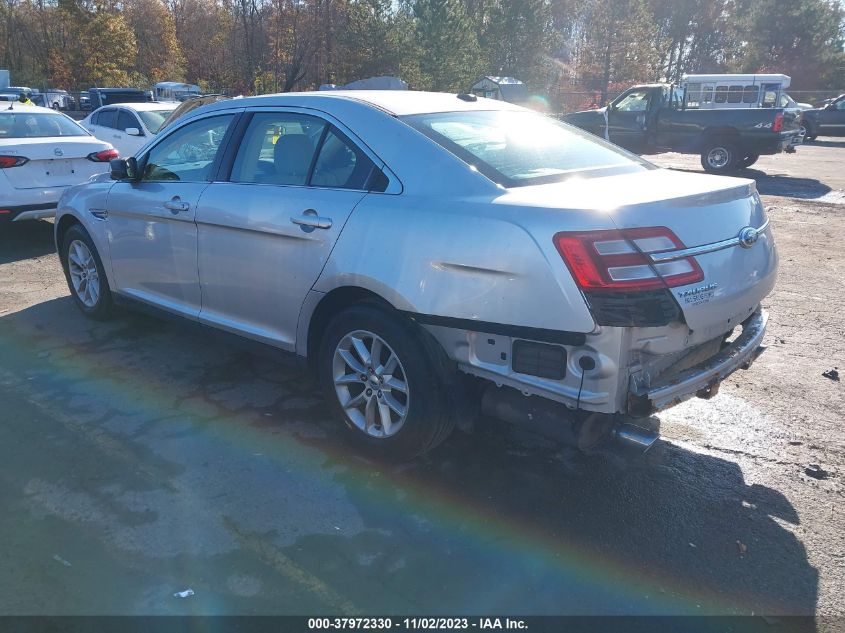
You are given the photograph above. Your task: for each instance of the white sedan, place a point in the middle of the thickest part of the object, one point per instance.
(42, 152)
(128, 126)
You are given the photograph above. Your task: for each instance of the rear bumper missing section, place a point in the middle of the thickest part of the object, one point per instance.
(705, 377)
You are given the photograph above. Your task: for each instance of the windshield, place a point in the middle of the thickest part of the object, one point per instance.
(153, 119)
(516, 148)
(35, 124)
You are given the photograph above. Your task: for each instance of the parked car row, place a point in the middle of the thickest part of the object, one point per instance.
(425, 252)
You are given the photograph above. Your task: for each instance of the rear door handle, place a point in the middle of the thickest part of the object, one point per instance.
(309, 220)
(176, 205)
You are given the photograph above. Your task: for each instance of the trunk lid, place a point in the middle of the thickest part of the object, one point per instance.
(53, 162)
(700, 210)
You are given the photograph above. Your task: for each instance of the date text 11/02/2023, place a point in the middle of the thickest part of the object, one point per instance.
(417, 623)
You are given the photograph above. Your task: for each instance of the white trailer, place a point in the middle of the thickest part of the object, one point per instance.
(711, 92)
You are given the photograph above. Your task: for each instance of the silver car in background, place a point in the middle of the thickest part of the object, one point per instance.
(424, 251)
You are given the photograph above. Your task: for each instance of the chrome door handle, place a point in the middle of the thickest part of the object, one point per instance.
(309, 220)
(176, 205)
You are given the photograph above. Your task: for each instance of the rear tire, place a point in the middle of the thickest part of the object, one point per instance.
(386, 380)
(748, 161)
(809, 133)
(721, 156)
(85, 275)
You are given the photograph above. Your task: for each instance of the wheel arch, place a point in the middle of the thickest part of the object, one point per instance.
(319, 308)
(63, 224)
(711, 133)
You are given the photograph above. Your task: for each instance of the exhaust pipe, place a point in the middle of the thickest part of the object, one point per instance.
(635, 436)
(555, 421)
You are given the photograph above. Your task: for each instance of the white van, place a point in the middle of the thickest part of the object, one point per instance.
(711, 92)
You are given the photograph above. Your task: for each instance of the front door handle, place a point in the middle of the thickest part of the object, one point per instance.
(309, 220)
(176, 205)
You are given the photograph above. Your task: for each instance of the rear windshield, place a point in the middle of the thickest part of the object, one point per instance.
(153, 118)
(36, 124)
(515, 148)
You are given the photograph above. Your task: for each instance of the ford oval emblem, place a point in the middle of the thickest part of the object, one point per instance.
(748, 237)
(58, 151)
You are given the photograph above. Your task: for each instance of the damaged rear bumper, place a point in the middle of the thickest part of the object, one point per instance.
(703, 378)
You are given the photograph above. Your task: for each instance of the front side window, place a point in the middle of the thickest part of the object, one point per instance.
(633, 102)
(153, 119)
(515, 148)
(187, 155)
(35, 125)
(126, 120)
(278, 148)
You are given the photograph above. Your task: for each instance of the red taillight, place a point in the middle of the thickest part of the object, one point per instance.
(12, 161)
(619, 260)
(103, 156)
(777, 126)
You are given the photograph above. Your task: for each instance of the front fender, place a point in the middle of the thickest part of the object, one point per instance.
(78, 202)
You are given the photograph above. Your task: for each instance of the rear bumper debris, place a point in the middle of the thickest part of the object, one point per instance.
(704, 378)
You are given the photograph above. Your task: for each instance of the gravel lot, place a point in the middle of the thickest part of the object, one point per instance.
(140, 458)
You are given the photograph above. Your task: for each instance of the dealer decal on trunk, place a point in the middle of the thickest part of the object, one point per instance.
(695, 296)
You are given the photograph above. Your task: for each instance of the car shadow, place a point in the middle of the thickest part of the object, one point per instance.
(25, 239)
(777, 184)
(826, 142)
(499, 521)
(789, 186)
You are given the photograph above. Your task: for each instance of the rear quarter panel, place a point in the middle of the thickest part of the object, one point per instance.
(468, 258)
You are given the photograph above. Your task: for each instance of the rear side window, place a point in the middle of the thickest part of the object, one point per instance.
(340, 164)
(288, 148)
(278, 148)
(721, 94)
(22, 124)
(108, 118)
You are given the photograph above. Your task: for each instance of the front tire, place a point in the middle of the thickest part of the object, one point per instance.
(721, 156)
(85, 275)
(387, 382)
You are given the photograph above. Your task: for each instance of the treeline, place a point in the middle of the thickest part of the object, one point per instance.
(259, 46)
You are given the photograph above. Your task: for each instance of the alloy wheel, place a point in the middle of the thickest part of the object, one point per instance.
(371, 384)
(83, 273)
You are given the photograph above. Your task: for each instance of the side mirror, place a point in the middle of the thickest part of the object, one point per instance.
(133, 131)
(124, 168)
(830, 106)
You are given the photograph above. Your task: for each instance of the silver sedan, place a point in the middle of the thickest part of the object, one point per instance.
(425, 252)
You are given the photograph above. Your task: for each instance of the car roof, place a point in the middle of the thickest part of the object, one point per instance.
(395, 102)
(142, 107)
(16, 106)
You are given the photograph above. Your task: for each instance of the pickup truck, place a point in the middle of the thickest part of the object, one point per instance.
(652, 118)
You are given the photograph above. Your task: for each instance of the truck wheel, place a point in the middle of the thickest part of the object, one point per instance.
(721, 156)
(85, 276)
(748, 160)
(809, 133)
(386, 380)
